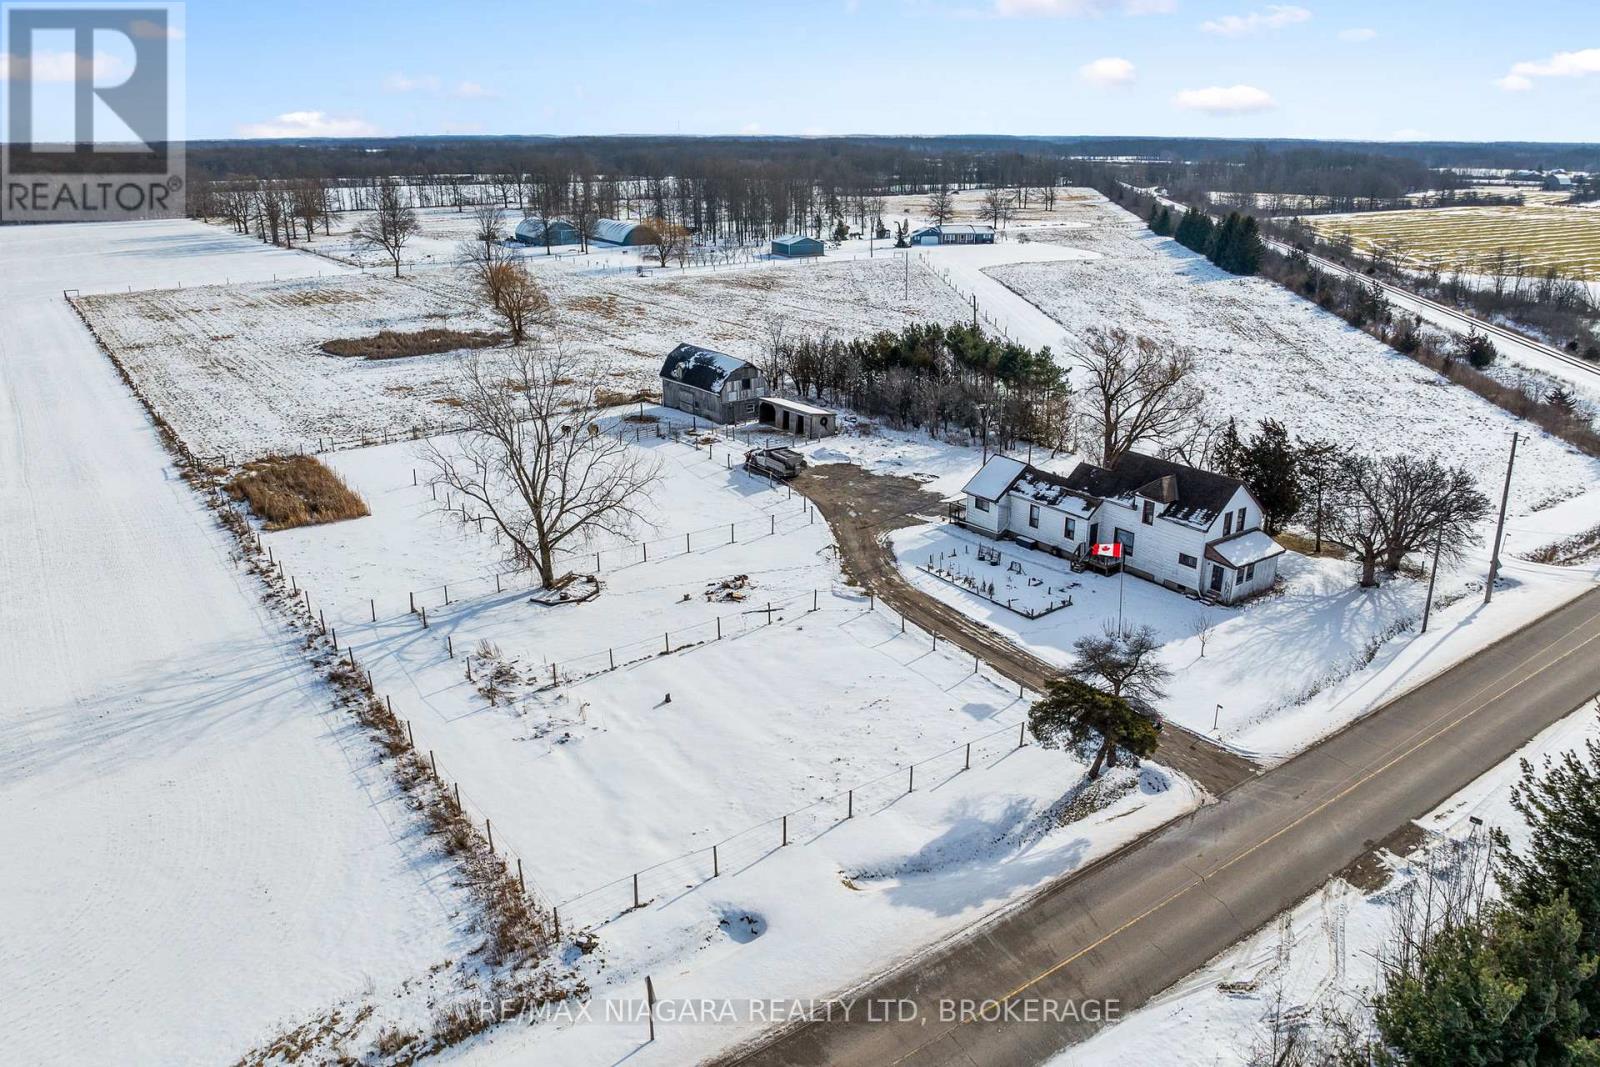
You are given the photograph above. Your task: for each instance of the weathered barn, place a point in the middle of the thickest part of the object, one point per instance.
(537, 231)
(713, 385)
(617, 232)
(796, 245)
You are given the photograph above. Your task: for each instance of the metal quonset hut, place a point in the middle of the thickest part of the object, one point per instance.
(713, 385)
(795, 245)
(531, 231)
(617, 232)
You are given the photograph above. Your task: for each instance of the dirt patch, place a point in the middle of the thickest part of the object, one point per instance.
(1306, 546)
(289, 491)
(389, 344)
(606, 307)
(1370, 873)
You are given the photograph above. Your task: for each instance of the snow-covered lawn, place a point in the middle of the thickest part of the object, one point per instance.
(697, 741)
(1320, 952)
(198, 850)
(1285, 669)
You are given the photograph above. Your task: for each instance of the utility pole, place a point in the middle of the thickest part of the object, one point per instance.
(1500, 525)
(1427, 607)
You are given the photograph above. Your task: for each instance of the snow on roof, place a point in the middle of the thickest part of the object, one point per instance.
(1052, 490)
(701, 368)
(792, 238)
(1245, 549)
(613, 231)
(995, 477)
(965, 227)
(1191, 495)
(795, 405)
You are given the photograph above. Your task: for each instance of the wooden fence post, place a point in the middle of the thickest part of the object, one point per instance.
(716, 868)
(850, 805)
(968, 765)
(488, 828)
(1021, 738)
(786, 830)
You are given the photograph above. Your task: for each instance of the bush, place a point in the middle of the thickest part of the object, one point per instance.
(387, 344)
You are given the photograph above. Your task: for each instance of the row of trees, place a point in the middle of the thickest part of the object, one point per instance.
(1234, 244)
(932, 376)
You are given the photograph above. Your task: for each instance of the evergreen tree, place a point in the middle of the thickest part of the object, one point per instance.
(1560, 802)
(1228, 455)
(1477, 350)
(1074, 713)
(1248, 247)
(1273, 474)
(1562, 400)
(1222, 246)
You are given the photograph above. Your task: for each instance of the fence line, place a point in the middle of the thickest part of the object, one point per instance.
(943, 274)
(744, 848)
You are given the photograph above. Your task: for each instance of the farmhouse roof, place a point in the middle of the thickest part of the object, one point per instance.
(1243, 549)
(964, 227)
(701, 368)
(1191, 495)
(995, 478)
(792, 238)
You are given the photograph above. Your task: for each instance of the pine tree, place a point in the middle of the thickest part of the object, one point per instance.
(1562, 399)
(1228, 455)
(1073, 713)
(1248, 248)
(1273, 474)
(1478, 350)
(1560, 802)
(1221, 248)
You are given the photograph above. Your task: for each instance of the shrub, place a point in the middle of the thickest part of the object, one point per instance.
(387, 344)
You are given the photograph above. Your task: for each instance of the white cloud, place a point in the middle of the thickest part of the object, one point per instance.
(1081, 8)
(1107, 72)
(1225, 100)
(1359, 33)
(1561, 65)
(401, 83)
(63, 66)
(309, 124)
(472, 91)
(1275, 17)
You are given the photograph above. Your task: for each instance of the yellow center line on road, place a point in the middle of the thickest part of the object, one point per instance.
(1335, 798)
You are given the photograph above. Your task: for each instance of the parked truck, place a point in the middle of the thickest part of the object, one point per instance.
(782, 463)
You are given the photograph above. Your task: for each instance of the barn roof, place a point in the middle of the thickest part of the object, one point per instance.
(701, 368)
(1191, 495)
(532, 229)
(793, 238)
(613, 231)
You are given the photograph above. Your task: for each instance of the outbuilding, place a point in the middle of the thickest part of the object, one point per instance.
(797, 417)
(537, 231)
(796, 245)
(712, 385)
(954, 233)
(617, 232)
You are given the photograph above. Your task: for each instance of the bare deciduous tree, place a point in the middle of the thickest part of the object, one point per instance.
(1389, 507)
(517, 298)
(1133, 392)
(535, 458)
(667, 239)
(941, 203)
(390, 226)
(487, 223)
(998, 207)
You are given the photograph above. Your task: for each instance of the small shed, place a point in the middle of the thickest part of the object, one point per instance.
(796, 245)
(537, 231)
(1558, 182)
(797, 417)
(617, 232)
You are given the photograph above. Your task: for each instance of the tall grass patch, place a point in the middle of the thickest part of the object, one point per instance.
(288, 491)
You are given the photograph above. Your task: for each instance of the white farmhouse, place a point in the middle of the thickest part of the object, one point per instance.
(1185, 528)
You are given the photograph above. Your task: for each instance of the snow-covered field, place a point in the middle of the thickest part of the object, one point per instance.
(696, 741)
(237, 368)
(198, 849)
(1320, 952)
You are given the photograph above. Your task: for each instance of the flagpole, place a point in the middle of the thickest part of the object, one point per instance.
(1122, 583)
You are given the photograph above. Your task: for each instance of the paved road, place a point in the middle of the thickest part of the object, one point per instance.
(1125, 928)
(862, 507)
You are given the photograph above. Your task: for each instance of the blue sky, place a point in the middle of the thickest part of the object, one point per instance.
(1431, 69)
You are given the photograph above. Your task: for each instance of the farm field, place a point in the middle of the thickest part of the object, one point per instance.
(721, 724)
(1479, 240)
(237, 369)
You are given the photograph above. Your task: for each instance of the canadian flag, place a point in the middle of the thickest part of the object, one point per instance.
(1114, 550)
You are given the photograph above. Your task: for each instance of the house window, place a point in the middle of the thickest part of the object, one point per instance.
(1227, 524)
(1149, 515)
(1241, 520)
(980, 503)
(1071, 530)
(1033, 516)
(1250, 572)
(1125, 539)
(1186, 560)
